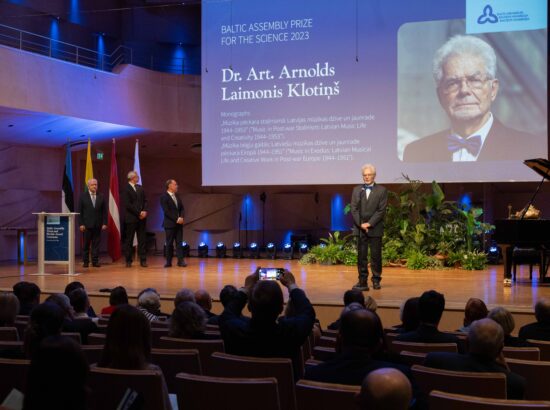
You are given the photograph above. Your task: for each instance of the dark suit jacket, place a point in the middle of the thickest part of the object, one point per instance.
(89, 216)
(515, 384)
(429, 334)
(134, 202)
(244, 336)
(502, 143)
(536, 331)
(372, 210)
(171, 212)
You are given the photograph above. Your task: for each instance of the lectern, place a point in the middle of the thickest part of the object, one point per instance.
(56, 240)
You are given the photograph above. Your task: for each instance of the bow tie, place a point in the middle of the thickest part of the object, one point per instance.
(368, 187)
(471, 144)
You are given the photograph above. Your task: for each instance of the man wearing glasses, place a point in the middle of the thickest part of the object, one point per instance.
(464, 70)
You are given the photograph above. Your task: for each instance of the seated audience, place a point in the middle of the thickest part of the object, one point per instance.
(57, 376)
(485, 343)
(204, 300)
(370, 304)
(385, 389)
(430, 309)
(475, 309)
(188, 321)
(81, 322)
(350, 296)
(184, 295)
(410, 319)
(149, 304)
(262, 335)
(29, 296)
(290, 311)
(79, 285)
(128, 344)
(539, 330)
(46, 320)
(227, 293)
(505, 319)
(117, 297)
(9, 309)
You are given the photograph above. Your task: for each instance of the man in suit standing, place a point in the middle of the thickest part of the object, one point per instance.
(172, 207)
(368, 208)
(92, 219)
(135, 204)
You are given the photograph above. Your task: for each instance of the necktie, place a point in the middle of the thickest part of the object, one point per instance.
(471, 144)
(93, 200)
(174, 199)
(368, 189)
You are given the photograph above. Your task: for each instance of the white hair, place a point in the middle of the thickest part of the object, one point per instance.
(131, 174)
(369, 166)
(149, 299)
(461, 45)
(91, 180)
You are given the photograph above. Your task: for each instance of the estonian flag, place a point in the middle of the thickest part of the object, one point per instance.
(67, 197)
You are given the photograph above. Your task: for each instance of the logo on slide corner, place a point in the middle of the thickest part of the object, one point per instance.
(488, 16)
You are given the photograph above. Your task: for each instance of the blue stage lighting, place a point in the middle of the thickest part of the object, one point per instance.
(304, 248)
(287, 251)
(185, 248)
(237, 250)
(221, 250)
(203, 250)
(254, 250)
(271, 250)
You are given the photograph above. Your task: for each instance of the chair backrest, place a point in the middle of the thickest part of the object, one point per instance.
(205, 348)
(325, 341)
(23, 318)
(544, 348)
(108, 387)
(537, 374)
(227, 365)
(96, 339)
(9, 334)
(412, 358)
(312, 395)
(160, 324)
(157, 334)
(11, 345)
(212, 327)
(73, 335)
(174, 361)
(470, 383)
(522, 353)
(323, 353)
(13, 375)
(21, 328)
(102, 329)
(329, 332)
(92, 353)
(103, 321)
(196, 392)
(398, 346)
(390, 337)
(439, 400)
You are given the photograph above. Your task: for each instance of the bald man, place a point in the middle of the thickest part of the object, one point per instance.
(539, 330)
(92, 219)
(385, 389)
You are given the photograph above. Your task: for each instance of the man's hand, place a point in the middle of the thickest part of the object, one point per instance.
(82, 228)
(287, 279)
(365, 226)
(251, 280)
(143, 215)
(180, 221)
(103, 227)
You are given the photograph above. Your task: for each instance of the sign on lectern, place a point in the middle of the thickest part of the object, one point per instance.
(56, 240)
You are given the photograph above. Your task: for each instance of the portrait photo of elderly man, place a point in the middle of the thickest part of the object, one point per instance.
(465, 74)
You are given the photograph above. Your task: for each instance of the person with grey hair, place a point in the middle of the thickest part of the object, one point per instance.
(485, 343)
(465, 74)
(184, 295)
(505, 319)
(149, 304)
(92, 219)
(539, 330)
(188, 321)
(172, 208)
(135, 204)
(368, 208)
(385, 389)
(9, 308)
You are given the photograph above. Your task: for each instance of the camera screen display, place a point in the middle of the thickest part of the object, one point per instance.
(270, 273)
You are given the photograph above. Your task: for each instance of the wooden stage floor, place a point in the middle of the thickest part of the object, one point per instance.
(324, 285)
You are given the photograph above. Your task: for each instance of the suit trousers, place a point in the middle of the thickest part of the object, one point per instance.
(174, 234)
(137, 228)
(364, 242)
(92, 237)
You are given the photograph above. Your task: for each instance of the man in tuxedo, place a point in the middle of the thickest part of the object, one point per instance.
(135, 204)
(92, 219)
(172, 207)
(368, 208)
(464, 70)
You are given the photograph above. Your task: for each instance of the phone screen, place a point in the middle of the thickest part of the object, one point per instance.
(270, 273)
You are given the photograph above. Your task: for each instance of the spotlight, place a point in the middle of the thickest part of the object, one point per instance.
(304, 248)
(254, 250)
(271, 250)
(493, 253)
(185, 249)
(287, 251)
(237, 250)
(221, 250)
(203, 250)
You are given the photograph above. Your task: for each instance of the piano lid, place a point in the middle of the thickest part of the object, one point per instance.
(540, 165)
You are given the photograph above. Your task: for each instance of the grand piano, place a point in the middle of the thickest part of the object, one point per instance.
(525, 233)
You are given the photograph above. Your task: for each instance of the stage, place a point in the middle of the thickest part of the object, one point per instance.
(324, 285)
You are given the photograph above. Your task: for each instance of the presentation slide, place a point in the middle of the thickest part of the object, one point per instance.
(308, 91)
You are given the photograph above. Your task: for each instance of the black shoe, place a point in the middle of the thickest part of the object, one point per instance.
(128, 264)
(362, 286)
(376, 285)
(143, 264)
(167, 265)
(182, 264)
(85, 264)
(96, 265)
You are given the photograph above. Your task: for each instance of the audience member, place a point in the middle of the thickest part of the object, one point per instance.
(79, 285)
(385, 389)
(262, 335)
(485, 343)
(46, 320)
(204, 300)
(505, 319)
(475, 309)
(128, 343)
(149, 304)
(290, 311)
(117, 297)
(188, 321)
(430, 309)
(410, 319)
(226, 294)
(29, 296)
(57, 376)
(9, 308)
(539, 330)
(370, 304)
(82, 323)
(350, 296)
(184, 295)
